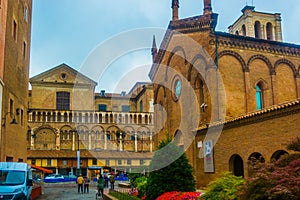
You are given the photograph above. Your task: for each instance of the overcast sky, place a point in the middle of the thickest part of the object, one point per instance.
(71, 31)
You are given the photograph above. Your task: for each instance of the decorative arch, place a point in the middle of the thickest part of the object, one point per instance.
(287, 62)
(160, 87)
(45, 138)
(173, 52)
(263, 58)
(236, 165)
(192, 65)
(245, 67)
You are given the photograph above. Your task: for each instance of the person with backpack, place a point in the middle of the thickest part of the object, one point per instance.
(100, 185)
(112, 181)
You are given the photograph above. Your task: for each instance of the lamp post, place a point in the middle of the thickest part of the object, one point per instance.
(78, 151)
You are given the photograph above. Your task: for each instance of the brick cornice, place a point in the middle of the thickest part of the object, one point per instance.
(259, 45)
(272, 112)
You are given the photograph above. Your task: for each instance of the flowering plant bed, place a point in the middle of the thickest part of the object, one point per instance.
(175, 195)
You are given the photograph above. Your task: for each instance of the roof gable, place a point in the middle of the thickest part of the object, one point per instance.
(62, 74)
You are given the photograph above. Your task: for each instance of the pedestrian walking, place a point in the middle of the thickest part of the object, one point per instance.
(80, 183)
(86, 184)
(112, 181)
(100, 185)
(106, 180)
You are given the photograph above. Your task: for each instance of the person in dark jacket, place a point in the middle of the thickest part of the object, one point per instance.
(100, 185)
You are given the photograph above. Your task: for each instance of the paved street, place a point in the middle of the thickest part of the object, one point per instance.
(67, 192)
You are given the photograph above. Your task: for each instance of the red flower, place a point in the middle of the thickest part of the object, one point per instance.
(175, 195)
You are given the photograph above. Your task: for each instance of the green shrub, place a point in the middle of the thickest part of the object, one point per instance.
(226, 187)
(141, 184)
(176, 176)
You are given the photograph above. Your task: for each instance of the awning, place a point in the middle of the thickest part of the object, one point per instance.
(46, 171)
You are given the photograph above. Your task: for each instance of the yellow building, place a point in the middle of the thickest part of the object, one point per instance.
(66, 115)
(15, 35)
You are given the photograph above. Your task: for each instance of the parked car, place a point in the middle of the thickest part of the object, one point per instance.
(54, 178)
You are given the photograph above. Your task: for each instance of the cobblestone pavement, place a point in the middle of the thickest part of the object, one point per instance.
(67, 192)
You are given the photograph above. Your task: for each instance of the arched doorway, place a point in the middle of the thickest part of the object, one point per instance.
(277, 154)
(254, 157)
(236, 165)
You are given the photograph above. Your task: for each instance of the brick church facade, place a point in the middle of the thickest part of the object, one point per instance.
(226, 97)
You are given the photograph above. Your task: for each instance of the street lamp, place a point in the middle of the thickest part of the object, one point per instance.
(14, 121)
(78, 150)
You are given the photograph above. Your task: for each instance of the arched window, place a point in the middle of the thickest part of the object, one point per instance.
(244, 33)
(237, 32)
(259, 97)
(269, 31)
(257, 30)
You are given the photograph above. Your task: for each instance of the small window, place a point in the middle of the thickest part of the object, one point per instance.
(132, 137)
(14, 33)
(125, 108)
(108, 137)
(142, 162)
(107, 163)
(33, 161)
(141, 106)
(22, 117)
(64, 162)
(259, 97)
(25, 14)
(49, 163)
(94, 161)
(24, 49)
(11, 106)
(119, 162)
(102, 107)
(128, 162)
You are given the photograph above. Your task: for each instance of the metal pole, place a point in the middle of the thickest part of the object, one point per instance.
(78, 152)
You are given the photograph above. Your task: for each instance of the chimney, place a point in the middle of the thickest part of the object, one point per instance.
(207, 7)
(102, 93)
(175, 6)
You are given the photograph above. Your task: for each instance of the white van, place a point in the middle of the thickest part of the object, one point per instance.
(15, 181)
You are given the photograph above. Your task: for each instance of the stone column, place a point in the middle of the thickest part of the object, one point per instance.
(262, 32)
(135, 142)
(73, 141)
(32, 140)
(105, 140)
(90, 140)
(57, 143)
